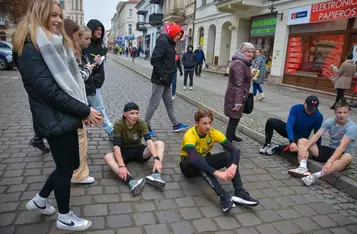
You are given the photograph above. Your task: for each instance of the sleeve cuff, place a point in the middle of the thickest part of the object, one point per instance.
(291, 141)
(237, 105)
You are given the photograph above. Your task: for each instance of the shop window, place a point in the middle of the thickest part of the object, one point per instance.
(201, 36)
(313, 55)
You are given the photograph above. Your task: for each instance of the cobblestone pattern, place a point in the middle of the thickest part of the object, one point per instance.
(185, 206)
(257, 119)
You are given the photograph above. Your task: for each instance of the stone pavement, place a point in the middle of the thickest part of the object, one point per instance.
(276, 105)
(185, 206)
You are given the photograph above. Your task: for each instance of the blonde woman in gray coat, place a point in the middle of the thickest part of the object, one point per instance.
(343, 78)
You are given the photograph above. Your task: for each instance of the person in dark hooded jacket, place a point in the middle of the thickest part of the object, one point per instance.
(95, 82)
(164, 68)
(188, 62)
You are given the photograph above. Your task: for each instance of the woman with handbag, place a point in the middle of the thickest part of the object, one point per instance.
(44, 56)
(240, 76)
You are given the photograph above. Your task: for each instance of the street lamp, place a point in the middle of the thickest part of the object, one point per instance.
(273, 7)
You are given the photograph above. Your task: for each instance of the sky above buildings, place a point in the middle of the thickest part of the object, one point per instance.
(103, 11)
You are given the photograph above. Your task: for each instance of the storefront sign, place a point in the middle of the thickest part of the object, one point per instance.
(325, 11)
(263, 25)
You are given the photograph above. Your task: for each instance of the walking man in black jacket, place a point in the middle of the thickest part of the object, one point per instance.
(95, 82)
(164, 67)
(188, 62)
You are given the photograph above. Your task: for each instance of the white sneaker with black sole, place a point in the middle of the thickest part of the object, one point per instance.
(72, 222)
(156, 180)
(264, 149)
(41, 204)
(244, 198)
(271, 149)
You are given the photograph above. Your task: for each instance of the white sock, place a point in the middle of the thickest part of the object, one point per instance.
(303, 164)
(319, 174)
(40, 201)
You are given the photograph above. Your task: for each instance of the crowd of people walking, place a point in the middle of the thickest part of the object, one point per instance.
(62, 69)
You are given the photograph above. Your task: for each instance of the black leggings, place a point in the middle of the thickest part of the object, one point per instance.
(279, 126)
(340, 95)
(188, 73)
(231, 128)
(65, 152)
(217, 161)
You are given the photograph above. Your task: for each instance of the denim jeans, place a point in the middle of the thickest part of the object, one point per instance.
(256, 87)
(174, 81)
(97, 103)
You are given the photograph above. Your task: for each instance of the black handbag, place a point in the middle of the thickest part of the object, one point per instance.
(249, 104)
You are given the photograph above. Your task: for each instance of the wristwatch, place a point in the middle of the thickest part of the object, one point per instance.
(156, 158)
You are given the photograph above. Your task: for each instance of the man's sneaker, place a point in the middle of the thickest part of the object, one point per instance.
(180, 127)
(89, 180)
(226, 202)
(72, 222)
(264, 149)
(152, 133)
(244, 198)
(191, 88)
(136, 186)
(271, 150)
(155, 180)
(309, 180)
(184, 88)
(299, 172)
(39, 145)
(40, 204)
(173, 98)
(237, 138)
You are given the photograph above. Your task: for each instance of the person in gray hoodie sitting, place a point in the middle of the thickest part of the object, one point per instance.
(188, 62)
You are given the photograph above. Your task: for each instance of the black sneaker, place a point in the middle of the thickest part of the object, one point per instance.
(40, 145)
(226, 202)
(243, 198)
(237, 139)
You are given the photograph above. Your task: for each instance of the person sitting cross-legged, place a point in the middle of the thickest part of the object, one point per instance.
(196, 160)
(127, 144)
(337, 155)
(302, 119)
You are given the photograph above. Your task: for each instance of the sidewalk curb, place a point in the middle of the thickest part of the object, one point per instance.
(337, 180)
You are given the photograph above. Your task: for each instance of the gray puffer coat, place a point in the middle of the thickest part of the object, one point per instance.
(260, 61)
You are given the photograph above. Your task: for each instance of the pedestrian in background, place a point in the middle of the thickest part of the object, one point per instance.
(260, 64)
(238, 87)
(343, 78)
(94, 94)
(44, 55)
(200, 59)
(188, 62)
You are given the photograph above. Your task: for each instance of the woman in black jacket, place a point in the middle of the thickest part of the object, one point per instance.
(57, 101)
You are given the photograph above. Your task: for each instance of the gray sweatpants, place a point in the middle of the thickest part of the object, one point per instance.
(158, 92)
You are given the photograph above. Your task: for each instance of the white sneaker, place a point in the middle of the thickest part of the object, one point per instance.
(89, 180)
(309, 180)
(299, 172)
(191, 88)
(262, 96)
(271, 149)
(184, 88)
(41, 204)
(173, 98)
(264, 149)
(72, 222)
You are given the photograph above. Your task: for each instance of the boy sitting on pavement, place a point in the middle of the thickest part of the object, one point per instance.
(196, 160)
(128, 147)
(337, 155)
(302, 119)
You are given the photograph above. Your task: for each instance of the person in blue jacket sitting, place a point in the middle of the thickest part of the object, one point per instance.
(302, 119)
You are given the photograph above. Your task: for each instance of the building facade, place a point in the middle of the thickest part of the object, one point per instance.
(149, 23)
(7, 28)
(73, 9)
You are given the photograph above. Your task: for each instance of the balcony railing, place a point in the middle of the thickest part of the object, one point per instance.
(155, 1)
(156, 19)
(140, 26)
(174, 15)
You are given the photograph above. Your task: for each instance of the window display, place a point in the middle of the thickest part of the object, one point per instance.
(313, 55)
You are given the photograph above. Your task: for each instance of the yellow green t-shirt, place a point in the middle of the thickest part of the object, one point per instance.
(202, 144)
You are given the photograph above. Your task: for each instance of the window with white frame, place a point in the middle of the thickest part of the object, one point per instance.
(130, 12)
(130, 29)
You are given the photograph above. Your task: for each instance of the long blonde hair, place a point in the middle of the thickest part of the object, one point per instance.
(82, 29)
(37, 15)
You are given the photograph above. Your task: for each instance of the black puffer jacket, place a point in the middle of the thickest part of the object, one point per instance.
(163, 60)
(189, 58)
(95, 48)
(54, 112)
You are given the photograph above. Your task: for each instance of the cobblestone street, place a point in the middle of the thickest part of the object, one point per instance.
(185, 206)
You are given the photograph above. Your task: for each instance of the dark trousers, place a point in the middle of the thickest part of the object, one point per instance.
(65, 152)
(186, 73)
(231, 128)
(174, 82)
(217, 161)
(340, 95)
(279, 126)
(198, 68)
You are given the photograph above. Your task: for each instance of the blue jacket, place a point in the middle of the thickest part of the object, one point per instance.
(200, 56)
(301, 124)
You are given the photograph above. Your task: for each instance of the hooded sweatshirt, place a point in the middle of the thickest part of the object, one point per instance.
(189, 58)
(96, 48)
(163, 56)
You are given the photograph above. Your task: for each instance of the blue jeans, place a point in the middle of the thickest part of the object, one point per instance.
(256, 87)
(174, 81)
(97, 103)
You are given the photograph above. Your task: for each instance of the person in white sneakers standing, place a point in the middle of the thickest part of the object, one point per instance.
(337, 155)
(260, 63)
